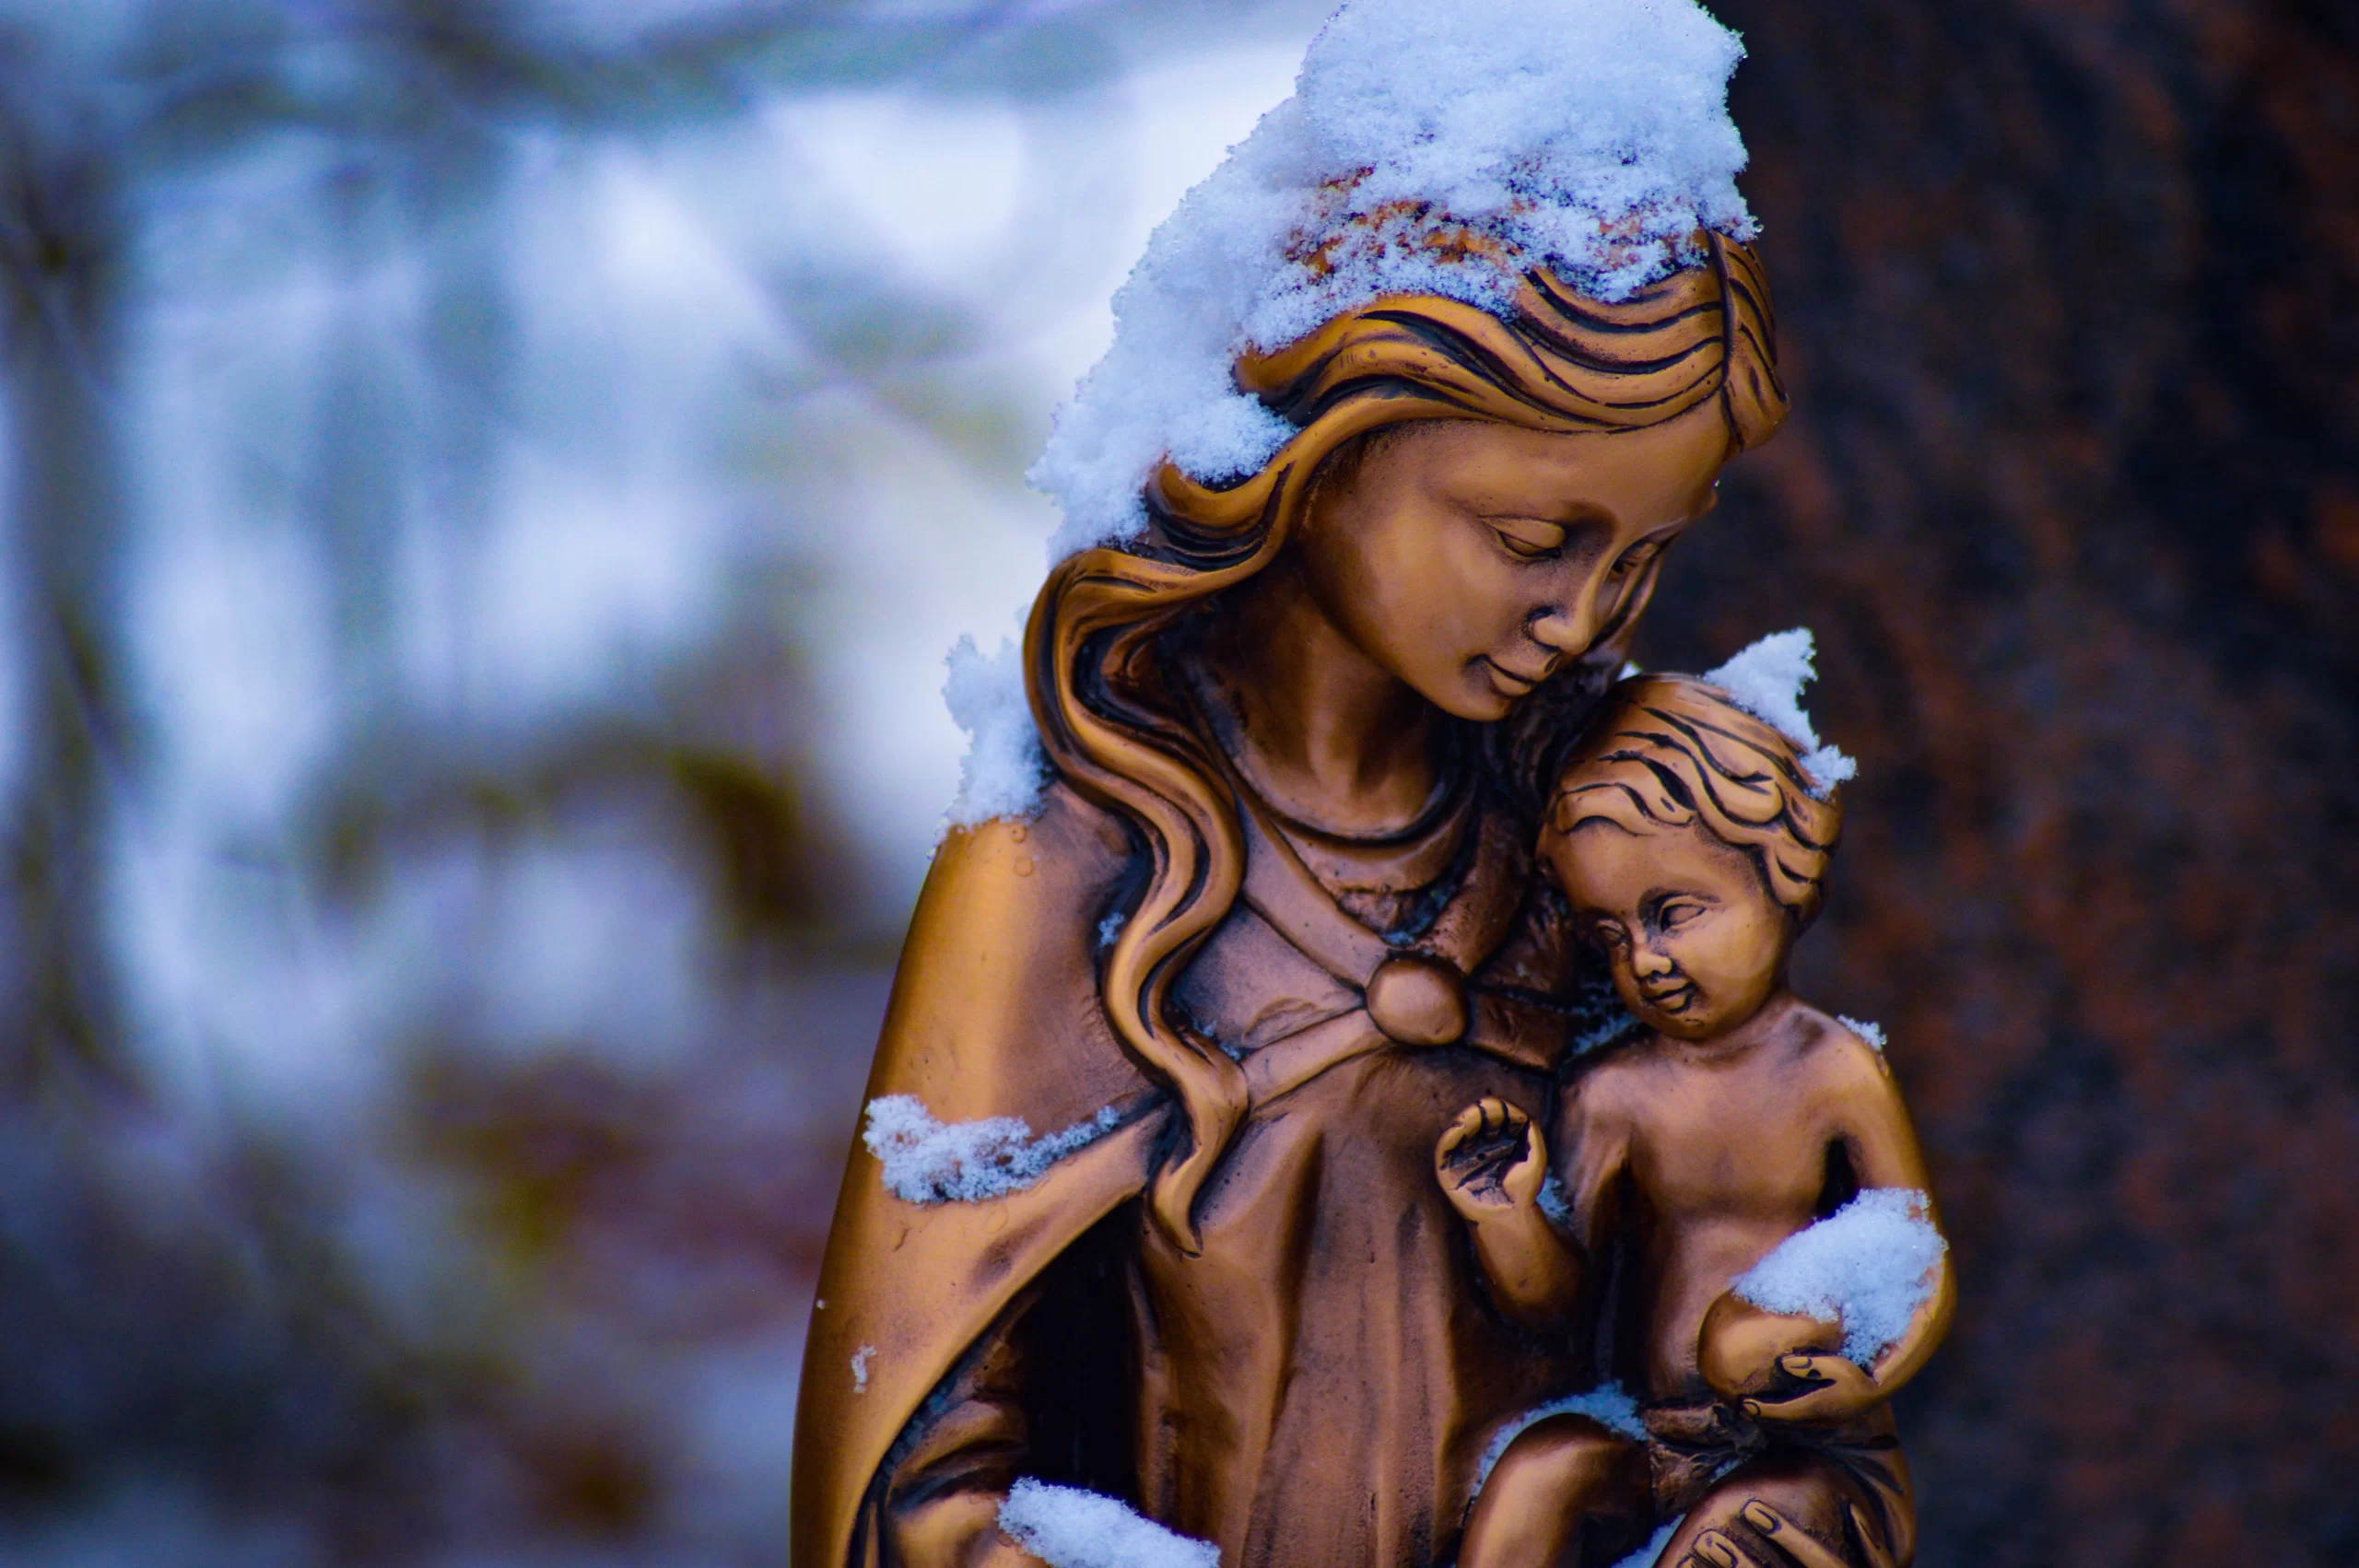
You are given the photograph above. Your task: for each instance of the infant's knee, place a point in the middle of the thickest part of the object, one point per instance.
(1573, 1451)
(1566, 1491)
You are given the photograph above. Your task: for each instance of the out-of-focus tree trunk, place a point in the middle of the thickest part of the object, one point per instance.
(60, 1012)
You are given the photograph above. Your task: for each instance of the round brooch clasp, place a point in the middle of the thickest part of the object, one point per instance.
(1418, 1000)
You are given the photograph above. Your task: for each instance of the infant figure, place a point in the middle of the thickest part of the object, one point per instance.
(1744, 1228)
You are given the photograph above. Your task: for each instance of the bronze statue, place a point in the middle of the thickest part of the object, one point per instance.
(1277, 919)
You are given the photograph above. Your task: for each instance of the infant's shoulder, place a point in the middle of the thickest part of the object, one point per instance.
(1605, 1080)
(1828, 1048)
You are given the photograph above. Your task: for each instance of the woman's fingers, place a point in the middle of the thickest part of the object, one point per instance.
(1713, 1549)
(1806, 1549)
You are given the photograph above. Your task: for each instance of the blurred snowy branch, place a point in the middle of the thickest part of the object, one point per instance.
(487, 486)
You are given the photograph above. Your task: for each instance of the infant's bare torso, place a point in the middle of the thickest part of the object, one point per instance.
(1720, 1150)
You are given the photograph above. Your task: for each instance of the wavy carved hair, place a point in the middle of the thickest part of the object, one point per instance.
(1669, 751)
(1119, 733)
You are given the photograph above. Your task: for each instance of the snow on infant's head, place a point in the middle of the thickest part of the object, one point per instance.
(1765, 679)
(1427, 150)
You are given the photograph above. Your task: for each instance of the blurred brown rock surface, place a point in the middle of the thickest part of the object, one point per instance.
(2070, 295)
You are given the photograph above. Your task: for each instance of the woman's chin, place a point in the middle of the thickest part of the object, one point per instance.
(1475, 696)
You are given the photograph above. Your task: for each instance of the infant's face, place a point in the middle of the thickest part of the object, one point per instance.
(1694, 941)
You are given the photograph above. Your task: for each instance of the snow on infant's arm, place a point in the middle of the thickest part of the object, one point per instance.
(1767, 681)
(1591, 136)
(1067, 1528)
(927, 1161)
(1870, 1264)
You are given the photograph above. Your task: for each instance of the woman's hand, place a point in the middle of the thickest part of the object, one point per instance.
(1789, 1547)
(1839, 1390)
(1491, 1159)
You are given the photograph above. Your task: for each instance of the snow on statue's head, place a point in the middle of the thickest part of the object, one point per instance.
(1522, 212)
(1548, 184)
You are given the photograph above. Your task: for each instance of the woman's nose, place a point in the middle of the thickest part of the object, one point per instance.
(1567, 626)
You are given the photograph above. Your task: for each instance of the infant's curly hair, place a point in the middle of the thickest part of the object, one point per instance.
(1666, 751)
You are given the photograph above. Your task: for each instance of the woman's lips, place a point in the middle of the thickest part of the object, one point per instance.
(1509, 682)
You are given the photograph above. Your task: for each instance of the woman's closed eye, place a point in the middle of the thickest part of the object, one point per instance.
(1529, 538)
(1634, 560)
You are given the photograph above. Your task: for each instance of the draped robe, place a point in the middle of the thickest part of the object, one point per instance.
(1316, 1388)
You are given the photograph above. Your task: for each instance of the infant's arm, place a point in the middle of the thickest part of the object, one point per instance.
(1864, 1112)
(1491, 1162)
(1874, 1122)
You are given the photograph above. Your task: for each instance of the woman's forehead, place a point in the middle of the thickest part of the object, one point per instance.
(1658, 475)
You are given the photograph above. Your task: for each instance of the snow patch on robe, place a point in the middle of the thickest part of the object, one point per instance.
(927, 1161)
(1067, 1528)
(1649, 1554)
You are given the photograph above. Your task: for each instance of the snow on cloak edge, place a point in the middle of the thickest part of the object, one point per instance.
(929, 1161)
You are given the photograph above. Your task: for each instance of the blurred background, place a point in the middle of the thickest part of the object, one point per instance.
(488, 486)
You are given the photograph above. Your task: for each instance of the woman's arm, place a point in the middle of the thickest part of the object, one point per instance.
(1491, 1162)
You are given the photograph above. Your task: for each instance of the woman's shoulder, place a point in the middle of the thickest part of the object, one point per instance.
(995, 1009)
(1017, 895)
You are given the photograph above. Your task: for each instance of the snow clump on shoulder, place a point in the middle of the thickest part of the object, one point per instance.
(1004, 769)
(1591, 136)
(1767, 681)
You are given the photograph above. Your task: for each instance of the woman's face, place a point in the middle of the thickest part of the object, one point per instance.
(1470, 559)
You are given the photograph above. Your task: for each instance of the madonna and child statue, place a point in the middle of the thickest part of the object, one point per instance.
(1342, 1104)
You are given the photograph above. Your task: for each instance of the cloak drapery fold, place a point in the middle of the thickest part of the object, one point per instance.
(994, 1013)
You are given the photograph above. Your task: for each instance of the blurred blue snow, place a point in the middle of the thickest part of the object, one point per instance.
(488, 489)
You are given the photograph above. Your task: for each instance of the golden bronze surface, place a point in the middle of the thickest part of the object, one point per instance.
(1302, 915)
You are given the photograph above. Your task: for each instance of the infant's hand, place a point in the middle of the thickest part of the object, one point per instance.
(1490, 1159)
(1740, 1348)
(1835, 1390)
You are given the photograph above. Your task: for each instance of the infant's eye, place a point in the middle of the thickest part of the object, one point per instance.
(1673, 915)
(1612, 936)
